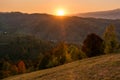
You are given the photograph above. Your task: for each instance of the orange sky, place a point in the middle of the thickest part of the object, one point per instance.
(49, 6)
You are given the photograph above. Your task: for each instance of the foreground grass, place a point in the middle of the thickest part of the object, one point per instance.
(106, 67)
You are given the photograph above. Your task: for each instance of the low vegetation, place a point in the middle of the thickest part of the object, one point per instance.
(105, 67)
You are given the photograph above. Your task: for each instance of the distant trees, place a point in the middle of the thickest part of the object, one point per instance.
(64, 53)
(59, 54)
(22, 54)
(28, 53)
(93, 45)
(6, 66)
(14, 69)
(8, 69)
(110, 39)
(76, 53)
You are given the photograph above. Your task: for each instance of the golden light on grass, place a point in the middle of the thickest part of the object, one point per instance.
(60, 12)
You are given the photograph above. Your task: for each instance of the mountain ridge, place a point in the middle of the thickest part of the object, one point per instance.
(48, 27)
(108, 14)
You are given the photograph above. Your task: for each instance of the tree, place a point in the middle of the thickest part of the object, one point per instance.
(21, 67)
(75, 52)
(6, 69)
(14, 69)
(59, 55)
(110, 39)
(93, 45)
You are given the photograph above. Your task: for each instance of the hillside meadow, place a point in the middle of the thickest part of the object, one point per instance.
(105, 67)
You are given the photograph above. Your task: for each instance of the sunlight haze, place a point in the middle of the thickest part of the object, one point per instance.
(59, 39)
(49, 6)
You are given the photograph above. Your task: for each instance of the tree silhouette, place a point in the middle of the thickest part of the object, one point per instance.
(93, 45)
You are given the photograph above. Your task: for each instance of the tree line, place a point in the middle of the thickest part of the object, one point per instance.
(25, 54)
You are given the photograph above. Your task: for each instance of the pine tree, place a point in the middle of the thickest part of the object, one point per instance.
(110, 39)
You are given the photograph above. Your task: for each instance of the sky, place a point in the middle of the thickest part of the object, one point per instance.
(50, 6)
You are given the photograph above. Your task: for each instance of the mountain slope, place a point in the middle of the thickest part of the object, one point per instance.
(48, 27)
(106, 67)
(110, 14)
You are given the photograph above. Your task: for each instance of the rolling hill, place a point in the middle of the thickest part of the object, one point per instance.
(47, 27)
(110, 14)
(105, 67)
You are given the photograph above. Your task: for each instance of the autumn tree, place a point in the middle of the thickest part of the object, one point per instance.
(5, 69)
(21, 67)
(60, 55)
(14, 69)
(110, 39)
(93, 45)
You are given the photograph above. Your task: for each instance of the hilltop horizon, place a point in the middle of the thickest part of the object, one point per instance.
(83, 14)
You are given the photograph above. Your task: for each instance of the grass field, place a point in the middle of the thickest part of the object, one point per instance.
(105, 67)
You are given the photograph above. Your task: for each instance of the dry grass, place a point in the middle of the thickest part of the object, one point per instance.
(106, 67)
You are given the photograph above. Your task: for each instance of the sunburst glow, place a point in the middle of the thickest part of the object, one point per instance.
(60, 12)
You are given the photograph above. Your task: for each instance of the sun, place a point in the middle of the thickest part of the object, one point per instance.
(60, 12)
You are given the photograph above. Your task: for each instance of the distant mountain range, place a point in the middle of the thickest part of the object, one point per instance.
(48, 27)
(110, 14)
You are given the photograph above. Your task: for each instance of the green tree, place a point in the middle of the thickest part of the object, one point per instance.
(93, 45)
(60, 55)
(110, 39)
(76, 53)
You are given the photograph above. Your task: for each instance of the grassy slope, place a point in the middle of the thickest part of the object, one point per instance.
(106, 67)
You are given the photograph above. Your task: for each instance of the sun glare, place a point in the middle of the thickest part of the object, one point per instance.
(60, 12)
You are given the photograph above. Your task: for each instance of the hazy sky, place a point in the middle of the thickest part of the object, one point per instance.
(49, 6)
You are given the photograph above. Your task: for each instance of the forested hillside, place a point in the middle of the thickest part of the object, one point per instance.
(48, 27)
(31, 42)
